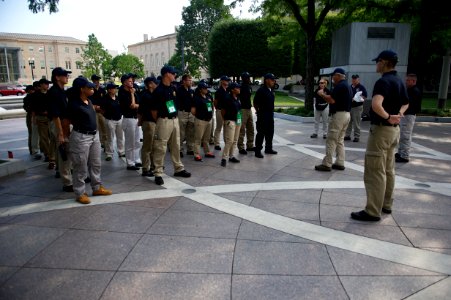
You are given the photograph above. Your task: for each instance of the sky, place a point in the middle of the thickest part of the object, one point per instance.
(115, 23)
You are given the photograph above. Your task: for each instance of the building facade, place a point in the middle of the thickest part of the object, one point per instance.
(154, 53)
(28, 57)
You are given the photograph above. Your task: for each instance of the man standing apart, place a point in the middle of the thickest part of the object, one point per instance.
(220, 96)
(129, 103)
(356, 108)
(247, 125)
(264, 107)
(340, 106)
(389, 103)
(183, 102)
(59, 125)
(167, 129)
(408, 120)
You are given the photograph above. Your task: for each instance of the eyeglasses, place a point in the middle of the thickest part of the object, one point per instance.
(322, 82)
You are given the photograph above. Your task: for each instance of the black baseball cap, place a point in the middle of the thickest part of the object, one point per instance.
(125, 77)
(355, 76)
(224, 77)
(339, 71)
(387, 55)
(150, 79)
(168, 69)
(269, 76)
(44, 81)
(234, 85)
(81, 82)
(58, 71)
(95, 77)
(111, 85)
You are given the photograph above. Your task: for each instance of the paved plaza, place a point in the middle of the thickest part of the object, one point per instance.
(271, 228)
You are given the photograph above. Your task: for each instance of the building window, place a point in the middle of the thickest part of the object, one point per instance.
(42, 62)
(66, 49)
(78, 65)
(41, 49)
(51, 65)
(77, 50)
(162, 58)
(157, 61)
(151, 60)
(30, 48)
(50, 49)
(68, 65)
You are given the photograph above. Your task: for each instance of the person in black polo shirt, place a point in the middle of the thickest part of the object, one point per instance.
(113, 117)
(359, 95)
(202, 109)
(167, 130)
(129, 102)
(247, 126)
(84, 142)
(57, 113)
(220, 95)
(389, 103)
(184, 101)
(147, 125)
(231, 114)
(340, 106)
(33, 136)
(264, 107)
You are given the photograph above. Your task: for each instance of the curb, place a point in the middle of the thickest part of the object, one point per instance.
(11, 166)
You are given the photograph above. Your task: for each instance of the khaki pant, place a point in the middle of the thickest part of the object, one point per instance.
(379, 173)
(148, 129)
(64, 167)
(335, 138)
(102, 128)
(47, 146)
(202, 131)
(247, 128)
(186, 125)
(166, 132)
(356, 119)
(231, 133)
(218, 128)
(33, 135)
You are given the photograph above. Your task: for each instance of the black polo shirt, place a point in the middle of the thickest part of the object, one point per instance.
(231, 106)
(164, 99)
(356, 89)
(145, 104)
(184, 99)
(204, 107)
(82, 116)
(320, 103)
(57, 102)
(27, 102)
(264, 100)
(220, 96)
(125, 100)
(39, 103)
(342, 94)
(111, 108)
(98, 96)
(392, 88)
(415, 96)
(245, 96)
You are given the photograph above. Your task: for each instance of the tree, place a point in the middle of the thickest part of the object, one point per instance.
(127, 63)
(37, 6)
(192, 36)
(95, 58)
(238, 46)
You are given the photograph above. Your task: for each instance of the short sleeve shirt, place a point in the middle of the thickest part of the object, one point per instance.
(164, 101)
(342, 94)
(82, 115)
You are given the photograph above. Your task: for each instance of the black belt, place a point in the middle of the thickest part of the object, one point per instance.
(384, 124)
(86, 131)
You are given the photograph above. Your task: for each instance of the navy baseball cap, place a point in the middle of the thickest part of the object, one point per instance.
(150, 79)
(245, 75)
(58, 71)
(45, 81)
(125, 77)
(234, 85)
(95, 77)
(81, 82)
(133, 75)
(355, 76)
(168, 69)
(339, 71)
(202, 85)
(111, 86)
(29, 88)
(269, 76)
(387, 55)
(224, 77)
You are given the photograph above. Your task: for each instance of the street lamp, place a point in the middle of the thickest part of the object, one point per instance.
(31, 63)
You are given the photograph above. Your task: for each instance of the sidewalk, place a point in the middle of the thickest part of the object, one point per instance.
(269, 228)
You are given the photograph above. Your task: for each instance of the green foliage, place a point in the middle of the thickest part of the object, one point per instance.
(37, 6)
(96, 59)
(237, 46)
(192, 36)
(127, 63)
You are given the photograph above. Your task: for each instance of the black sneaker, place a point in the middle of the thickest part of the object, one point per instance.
(364, 216)
(217, 147)
(68, 188)
(223, 163)
(139, 165)
(356, 140)
(323, 168)
(258, 154)
(400, 159)
(347, 138)
(182, 173)
(270, 151)
(37, 156)
(338, 167)
(87, 180)
(242, 151)
(234, 160)
(147, 173)
(159, 180)
(132, 168)
(386, 210)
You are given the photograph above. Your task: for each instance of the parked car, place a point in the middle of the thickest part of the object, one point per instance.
(11, 91)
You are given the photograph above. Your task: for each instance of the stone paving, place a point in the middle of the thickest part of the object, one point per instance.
(269, 228)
